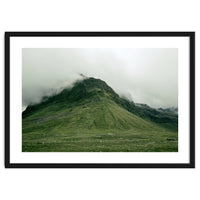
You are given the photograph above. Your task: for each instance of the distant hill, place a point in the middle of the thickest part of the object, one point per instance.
(90, 106)
(170, 110)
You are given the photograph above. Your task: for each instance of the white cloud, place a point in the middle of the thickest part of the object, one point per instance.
(148, 75)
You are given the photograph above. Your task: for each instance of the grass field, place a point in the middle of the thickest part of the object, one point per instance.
(129, 141)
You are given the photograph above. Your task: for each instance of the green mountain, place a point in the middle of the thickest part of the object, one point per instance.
(92, 117)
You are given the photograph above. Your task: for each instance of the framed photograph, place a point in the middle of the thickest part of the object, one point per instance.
(99, 100)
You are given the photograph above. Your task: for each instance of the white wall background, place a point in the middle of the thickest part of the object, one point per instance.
(104, 15)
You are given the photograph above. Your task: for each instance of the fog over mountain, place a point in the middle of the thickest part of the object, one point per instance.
(144, 75)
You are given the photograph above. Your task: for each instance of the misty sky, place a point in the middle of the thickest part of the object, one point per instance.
(146, 75)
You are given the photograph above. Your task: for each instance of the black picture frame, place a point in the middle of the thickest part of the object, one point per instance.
(190, 35)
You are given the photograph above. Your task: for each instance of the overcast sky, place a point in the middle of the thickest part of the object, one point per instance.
(146, 75)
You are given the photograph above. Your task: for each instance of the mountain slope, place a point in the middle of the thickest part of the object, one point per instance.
(90, 107)
(95, 91)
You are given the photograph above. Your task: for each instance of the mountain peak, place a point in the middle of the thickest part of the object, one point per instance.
(92, 87)
(92, 82)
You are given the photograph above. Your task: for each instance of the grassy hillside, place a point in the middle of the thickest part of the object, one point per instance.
(92, 117)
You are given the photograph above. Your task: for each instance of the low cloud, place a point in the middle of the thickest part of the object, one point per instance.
(144, 75)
